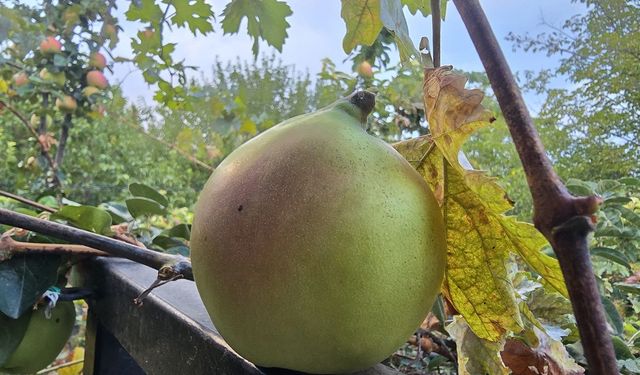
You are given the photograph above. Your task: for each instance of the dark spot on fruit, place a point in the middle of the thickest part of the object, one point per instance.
(57, 320)
(240, 208)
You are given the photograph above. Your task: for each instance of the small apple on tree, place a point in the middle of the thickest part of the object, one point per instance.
(67, 104)
(50, 46)
(97, 61)
(96, 79)
(20, 79)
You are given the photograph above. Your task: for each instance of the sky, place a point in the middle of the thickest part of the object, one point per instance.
(317, 30)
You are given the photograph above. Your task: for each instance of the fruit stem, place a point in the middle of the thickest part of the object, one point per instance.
(169, 265)
(436, 27)
(563, 219)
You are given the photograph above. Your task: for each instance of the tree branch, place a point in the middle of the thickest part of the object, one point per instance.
(436, 23)
(62, 141)
(26, 201)
(10, 247)
(169, 266)
(563, 219)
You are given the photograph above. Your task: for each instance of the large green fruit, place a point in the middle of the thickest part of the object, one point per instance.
(317, 247)
(42, 341)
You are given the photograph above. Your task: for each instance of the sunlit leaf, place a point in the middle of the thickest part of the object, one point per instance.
(196, 14)
(393, 20)
(475, 355)
(424, 7)
(362, 18)
(266, 20)
(144, 11)
(89, 218)
(479, 237)
(139, 207)
(142, 190)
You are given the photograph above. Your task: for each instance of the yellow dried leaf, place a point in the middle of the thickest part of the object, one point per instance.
(480, 238)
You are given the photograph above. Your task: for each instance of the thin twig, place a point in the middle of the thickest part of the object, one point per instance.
(26, 201)
(10, 247)
(168, 265)
(60, 366)
(436, 23)
(563, 219)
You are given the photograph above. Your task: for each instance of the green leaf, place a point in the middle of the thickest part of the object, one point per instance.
(23, 279)
(119, 212)
(613, 255)
(362, 18)
(617, 200)
(393, 20)
(11, 333)
(179, 250)
(88, 218)
(621, 349)
(630, 216)
(59, 60)
(631, 181)
(579, 187)
(266, 20)
(613, 316)
(144, 11)
(179, 231)
(139, 207)
(197, 14)
(142, 190)
(628, 288)
(166, 242)
(424, 7)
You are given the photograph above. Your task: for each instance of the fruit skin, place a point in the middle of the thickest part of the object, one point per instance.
(90, 90)
(316, 247)
(43, 340)
(365, 69)
(95, 78)
(67, 104)
(50, 46)
(55, 78)
(97, 60)
(20, 79)
(35, 120)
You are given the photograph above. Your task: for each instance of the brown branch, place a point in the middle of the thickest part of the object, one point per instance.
(168, 265)
(27, 201)
(436, 23)
(563, 219)
(10, 247)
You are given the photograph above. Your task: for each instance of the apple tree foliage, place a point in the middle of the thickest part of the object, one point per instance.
(506, 305)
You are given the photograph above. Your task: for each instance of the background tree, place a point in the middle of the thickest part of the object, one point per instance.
(597, 120)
